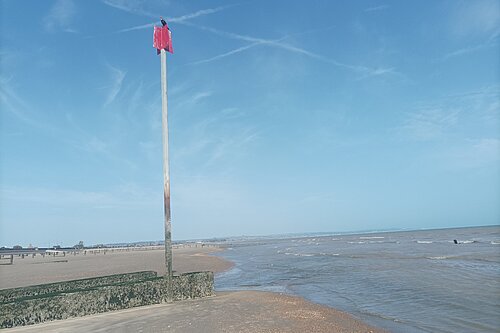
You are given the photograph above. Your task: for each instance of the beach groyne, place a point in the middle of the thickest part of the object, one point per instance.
(76, 298)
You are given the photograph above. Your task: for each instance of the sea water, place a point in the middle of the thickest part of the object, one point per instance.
(412, 281)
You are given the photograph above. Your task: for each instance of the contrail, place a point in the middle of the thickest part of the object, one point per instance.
(277, 43)
(226, 54)
(201, 12)
(178, 19)
(139, 27)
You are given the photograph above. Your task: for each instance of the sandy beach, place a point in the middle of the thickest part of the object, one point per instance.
(39, 270)
(241, 311)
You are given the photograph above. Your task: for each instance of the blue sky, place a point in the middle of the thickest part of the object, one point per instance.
(285, 116)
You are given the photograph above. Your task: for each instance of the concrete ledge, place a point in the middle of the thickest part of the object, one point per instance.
(94, 298)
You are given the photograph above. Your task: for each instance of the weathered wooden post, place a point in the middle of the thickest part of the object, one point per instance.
(162, 41)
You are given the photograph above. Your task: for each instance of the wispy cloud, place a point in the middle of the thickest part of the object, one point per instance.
(18, 107)
(225, 54)
(450, 114)
(232, 113)
(138, 27)
(76, 138)
(114, 88)
(474, 153)
(129, 6)
(198, 13)
(178, 19)
(378, 72)
(200, 96)
(254, 41)
(490, 42)
(251, 45)
(193, 99)
(89, 142)
(428, 124)
(70, 134)
(481, 105)
(215, 138)
(7, 58)
(231, 145)
(475, 18)
(60, 16)
(465, 50)
(364, 70)
(376, 8)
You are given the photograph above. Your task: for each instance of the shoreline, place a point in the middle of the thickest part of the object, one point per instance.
(346, 319)
(227, 311)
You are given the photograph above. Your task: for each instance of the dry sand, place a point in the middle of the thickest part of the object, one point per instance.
(242, 311)
(39, 270)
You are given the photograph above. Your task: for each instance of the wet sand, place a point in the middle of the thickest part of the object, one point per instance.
(241, 311)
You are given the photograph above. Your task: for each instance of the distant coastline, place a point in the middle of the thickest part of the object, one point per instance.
(219, 241)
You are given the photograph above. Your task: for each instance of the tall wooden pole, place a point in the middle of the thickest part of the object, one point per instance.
(166, 178)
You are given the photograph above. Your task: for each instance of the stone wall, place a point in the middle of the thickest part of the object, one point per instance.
(9, 295)
(97, 296)
(193, 285)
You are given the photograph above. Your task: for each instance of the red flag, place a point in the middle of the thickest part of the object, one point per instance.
(162, 39)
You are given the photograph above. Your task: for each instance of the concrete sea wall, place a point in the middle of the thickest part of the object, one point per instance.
(36, 304)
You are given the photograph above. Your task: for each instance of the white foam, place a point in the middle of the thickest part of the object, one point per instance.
(424, 242)
(372, 237)
(299, 254)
